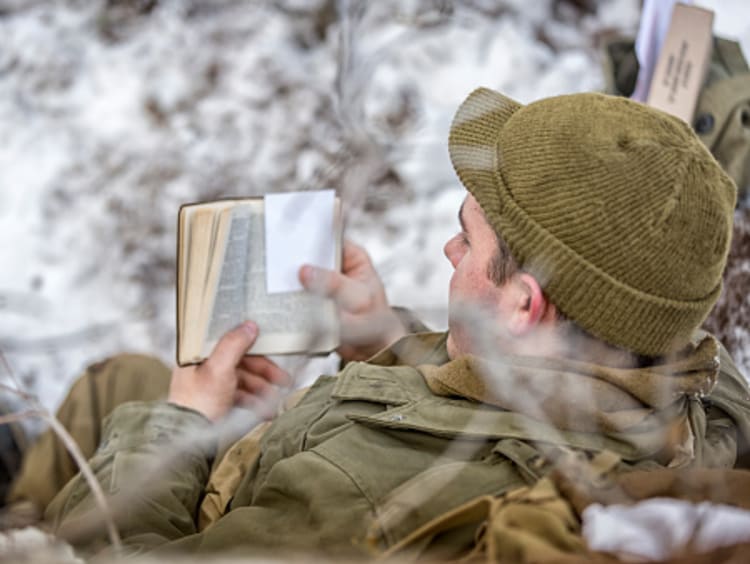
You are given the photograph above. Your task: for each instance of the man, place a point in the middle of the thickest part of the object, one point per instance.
(593, 238)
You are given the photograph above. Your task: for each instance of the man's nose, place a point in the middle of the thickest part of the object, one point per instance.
(451, 250)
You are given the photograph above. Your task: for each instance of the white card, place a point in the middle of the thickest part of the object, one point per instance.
(655, 18)
(299, 230)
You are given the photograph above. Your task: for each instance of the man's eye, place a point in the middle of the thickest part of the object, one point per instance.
(464, 238)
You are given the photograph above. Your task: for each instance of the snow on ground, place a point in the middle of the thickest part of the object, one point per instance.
(114, 112)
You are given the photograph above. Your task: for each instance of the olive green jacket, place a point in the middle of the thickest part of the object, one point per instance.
(372, 454)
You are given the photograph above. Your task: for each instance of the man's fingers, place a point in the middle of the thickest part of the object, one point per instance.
(354, 257)
(264, 408)
(254, 384)
(232, 347)
(349, 294)
(257, 393)
(265, 368)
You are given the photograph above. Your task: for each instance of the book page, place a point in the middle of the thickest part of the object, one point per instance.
(199, 251)
(218, 272)
(288, 322)
(182, 260)
(229, 304)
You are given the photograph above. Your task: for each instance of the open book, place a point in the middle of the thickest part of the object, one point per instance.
(221, 282)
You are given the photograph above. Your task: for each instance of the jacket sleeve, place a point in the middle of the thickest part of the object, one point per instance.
(154, 490)
(152, 463)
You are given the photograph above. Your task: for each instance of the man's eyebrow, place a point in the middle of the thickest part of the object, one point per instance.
(461, 216)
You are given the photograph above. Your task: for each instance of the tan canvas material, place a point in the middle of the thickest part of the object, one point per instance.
(542, 523)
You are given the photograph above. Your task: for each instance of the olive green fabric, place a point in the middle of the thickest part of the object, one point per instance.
(529, 524)
(47, 465)
(617, 208)
(579, 396)
(722, 115)
(365, 459)
(583, 397)
(233, 465)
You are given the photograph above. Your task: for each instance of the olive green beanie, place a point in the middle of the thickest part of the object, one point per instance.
(617, 208)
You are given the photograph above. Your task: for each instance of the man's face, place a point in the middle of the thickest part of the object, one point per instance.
(470, 252)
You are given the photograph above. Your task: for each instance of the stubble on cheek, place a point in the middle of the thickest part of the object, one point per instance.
(458, 342)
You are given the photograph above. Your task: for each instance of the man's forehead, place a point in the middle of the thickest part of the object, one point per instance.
(461, 208)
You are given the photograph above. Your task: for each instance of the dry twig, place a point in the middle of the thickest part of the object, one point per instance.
(38, 410)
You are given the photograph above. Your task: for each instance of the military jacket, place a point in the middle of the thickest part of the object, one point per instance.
(364, 459)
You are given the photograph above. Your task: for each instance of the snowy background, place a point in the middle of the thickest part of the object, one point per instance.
(114, 112)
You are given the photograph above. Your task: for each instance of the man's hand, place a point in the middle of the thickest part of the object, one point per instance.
(367, 322)
(228, 378)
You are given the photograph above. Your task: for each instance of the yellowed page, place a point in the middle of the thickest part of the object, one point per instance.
(198, 249)
(219, 239)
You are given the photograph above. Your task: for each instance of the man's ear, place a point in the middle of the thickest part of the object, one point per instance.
(530, 304)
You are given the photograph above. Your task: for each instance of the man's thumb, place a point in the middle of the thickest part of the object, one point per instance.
(233, 345)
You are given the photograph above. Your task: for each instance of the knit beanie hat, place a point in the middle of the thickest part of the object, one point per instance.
(617, 208)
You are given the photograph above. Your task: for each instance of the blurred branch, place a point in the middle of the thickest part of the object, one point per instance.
(20, 416)
(38, 410)
(12, 375)
(88, 475)
(364, 158)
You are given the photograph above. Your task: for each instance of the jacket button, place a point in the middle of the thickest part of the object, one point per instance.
(397, 417)
(704, 123)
